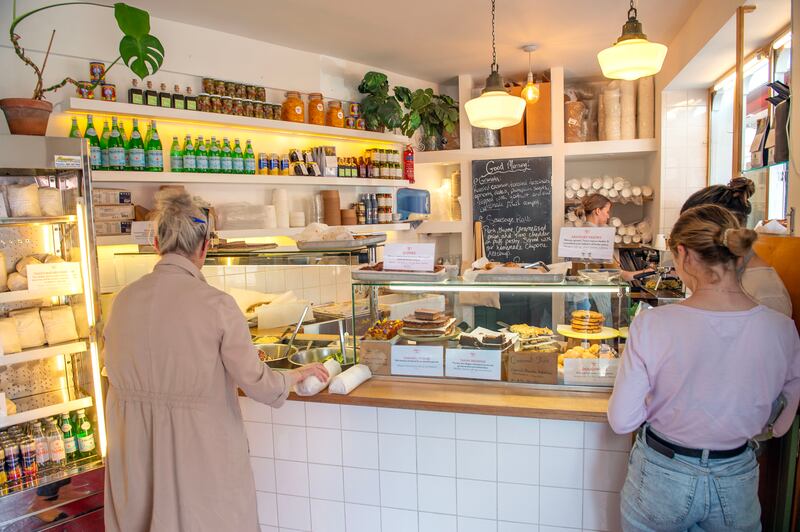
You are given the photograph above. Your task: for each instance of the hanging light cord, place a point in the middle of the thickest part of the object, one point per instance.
(494, 51)
(632, 10)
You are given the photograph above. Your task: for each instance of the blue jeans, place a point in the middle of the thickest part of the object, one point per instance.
(684, 493)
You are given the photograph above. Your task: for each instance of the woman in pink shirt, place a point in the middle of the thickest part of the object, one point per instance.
(698, 380)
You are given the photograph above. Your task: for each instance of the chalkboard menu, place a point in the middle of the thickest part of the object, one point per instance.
(512, 198)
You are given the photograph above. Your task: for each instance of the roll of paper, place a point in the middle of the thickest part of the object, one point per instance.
(270, 217)
(312, 385)
(569, 193)
(646, 109)
(613, 111)
(350, 380)
(603, 192)
(608, 182)
(280, 199)
(627, 91)
(647, 237)
(597, 183)
(616, 222)
(617, 239)
(586, 183)
(626, 239)
(647, 192)
(581, 193)
(636, 191)
(621, 231)
(297, 219)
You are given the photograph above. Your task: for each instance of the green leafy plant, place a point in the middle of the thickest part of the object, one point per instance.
(379, 108)
(434, 113)
(140, 51)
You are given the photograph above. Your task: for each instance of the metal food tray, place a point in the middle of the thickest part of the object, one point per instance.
(527, 277)
(419, 277)
(328, 245)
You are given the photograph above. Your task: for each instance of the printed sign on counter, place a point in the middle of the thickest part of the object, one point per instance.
(409, 257)
(473, 364)
(533, 366)
(418, 360)
(55, 278)
(600, 372)
(588, 243)
(142, 233)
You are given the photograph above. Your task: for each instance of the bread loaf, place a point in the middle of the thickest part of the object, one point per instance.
(29, 327)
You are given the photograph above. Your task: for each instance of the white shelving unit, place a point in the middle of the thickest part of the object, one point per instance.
(27, 295)
(241, 179)
(442, 226)
(609, 149)
(40, 353)
(45, 411)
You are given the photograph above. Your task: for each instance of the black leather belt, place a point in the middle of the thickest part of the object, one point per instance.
(670, 449)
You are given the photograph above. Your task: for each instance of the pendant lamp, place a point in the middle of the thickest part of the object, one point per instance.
(495, 108)
(632, 56)
(531, 90)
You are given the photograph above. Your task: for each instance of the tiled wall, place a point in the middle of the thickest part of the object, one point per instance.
(684, 150)
(331, 468)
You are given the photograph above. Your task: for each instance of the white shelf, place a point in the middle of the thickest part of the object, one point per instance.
(79, 105)
(45, 411)
(442, 157)
(610, 148)
(43, 352)
(441, 227)
(241, 179)
(449, 157)
(15, 296)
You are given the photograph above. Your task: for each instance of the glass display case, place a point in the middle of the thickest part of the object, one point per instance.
(52, 428)
(569, 333)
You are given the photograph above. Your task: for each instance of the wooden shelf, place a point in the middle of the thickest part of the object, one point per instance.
(610, 149)
(45, 411)
(39, 353)
(81, 106)
(241, 179)
(15, 296)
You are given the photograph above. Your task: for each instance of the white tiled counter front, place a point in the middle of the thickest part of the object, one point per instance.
(335, 468)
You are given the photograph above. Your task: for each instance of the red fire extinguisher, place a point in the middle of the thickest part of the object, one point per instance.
(408, 163)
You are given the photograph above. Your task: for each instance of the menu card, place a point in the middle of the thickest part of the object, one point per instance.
(409, 257)
(418, 360)
(56, 278)
(473, 363)
(588, 243)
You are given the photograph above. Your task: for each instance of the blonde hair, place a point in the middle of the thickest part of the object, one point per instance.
(591, 203)
(713, 233)
(176, 226)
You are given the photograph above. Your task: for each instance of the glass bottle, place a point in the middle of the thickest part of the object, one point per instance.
(74, 132)
(104, 145)
(175, 156)
(95, 155)
(136, 148)
(154, 151)
(237, 159)
(249, 159)
(85, 435)
(150, 95)
(164, 98)
(116, 148)
(178, 101)
(124, 138)
(226, 161)
(135, 94)
(191, 101)
(214, 162)
(42, 446)
(55, 440)
(68, 432)
(189, 160)
(201, 155)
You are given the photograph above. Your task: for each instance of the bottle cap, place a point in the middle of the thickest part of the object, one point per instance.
(177, 89)
(149, 84)
(189, 91)
(163, 86)
(135, 82)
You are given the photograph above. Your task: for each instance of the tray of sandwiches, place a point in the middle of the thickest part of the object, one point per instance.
(428, 325)
(587, 325)
(376, 273)
(533, 338)
(487, 339)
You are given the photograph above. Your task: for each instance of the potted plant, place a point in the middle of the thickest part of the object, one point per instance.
(379, 109)
(140, 51)
(436, 114)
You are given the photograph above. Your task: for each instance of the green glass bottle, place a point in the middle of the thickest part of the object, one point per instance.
(116, 148)
(70, 444)
(74, 132)
(214, 162)
(175, 156)
(225, 160)
(147, 135)
(249, 159)
(189, 161)
(201, 155)
(95, 155)
(124, 137)
(104, 145)
(136, 148)
(84, 434)
(237, 159)
(154, 152)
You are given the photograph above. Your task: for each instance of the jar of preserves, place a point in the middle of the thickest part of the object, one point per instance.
(268, 113)
(204, 103)
(258, 110)
(316, 109)
(216, 104)
(261, 94)
(238, 107)
(249, 109)
(335, 116)
(361, 124)
(355, 109)
(227, 105)
(250, 90)
(241, 91)
(230, 89)
(219, 88)
(293, 108)
(277, 111)
(209, 86)
(350, 122)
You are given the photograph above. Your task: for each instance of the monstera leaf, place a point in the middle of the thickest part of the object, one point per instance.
(142, 52)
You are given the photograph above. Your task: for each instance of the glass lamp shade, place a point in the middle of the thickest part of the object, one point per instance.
(495, 110)
(631, 59)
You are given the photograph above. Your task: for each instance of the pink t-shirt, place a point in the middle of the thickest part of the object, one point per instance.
(707, 379)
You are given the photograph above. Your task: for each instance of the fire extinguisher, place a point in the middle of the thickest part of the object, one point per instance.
(408, 163)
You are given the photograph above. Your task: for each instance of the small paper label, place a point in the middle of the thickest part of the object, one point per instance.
(68, 162)
(473, 363)
(409, 257)
(57, 278)
(588, 243)
(600, 372)
(418, 360)
(3, 411)
(142, 233)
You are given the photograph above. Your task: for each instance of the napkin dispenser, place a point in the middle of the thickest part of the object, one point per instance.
(413, 204)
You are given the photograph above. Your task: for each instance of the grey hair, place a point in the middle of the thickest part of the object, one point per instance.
(176, 228)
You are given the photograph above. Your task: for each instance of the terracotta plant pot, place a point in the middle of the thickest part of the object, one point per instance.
(26, 116)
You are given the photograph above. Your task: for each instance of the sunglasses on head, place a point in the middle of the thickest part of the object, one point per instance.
(207, 221)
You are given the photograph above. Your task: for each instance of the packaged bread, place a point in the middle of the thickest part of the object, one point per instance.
(11, 408)
(59, 324)
(22, 264)
(50, 202)
(9, 337)
(81, 318)
(17, 282)
(29, 327)
(24, 200)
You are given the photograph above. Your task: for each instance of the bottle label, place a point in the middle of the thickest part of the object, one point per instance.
(191, 105)
(179, 103)
(137, 157)
(96, 157)
(69, 445)
(298, 110)
(339, 115)
(189, 162)
(226, 164)
(42, 451)
(86, 443)
(176, 162)
(85, 425)
(116, 156)
(104, 157)
(66, 427)
(319, 107)
(57, 452)
(137, 98)
(155, 159)
(214, 162)
(249, 165)
(166, 101)
(238, 165)
(202, 162)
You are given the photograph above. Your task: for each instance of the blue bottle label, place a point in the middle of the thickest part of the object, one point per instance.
(176, 162)
(104, 157)
(189, 162)
(226, 164)
(155, 159)
(116, 156)
(238, 165)
(202, 162)
(214, 163)
(137, 157)
(249, 165)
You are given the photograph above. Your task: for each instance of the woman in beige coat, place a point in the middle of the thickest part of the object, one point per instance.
(176, 350)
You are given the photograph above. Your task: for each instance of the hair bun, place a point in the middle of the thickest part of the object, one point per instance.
(741, 186)
(739, 241)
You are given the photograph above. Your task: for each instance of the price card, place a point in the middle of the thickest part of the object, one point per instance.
(143, 233)
(593, 372)
(56, 278)
(473, 363)
(588, 243)
(67, 162)
(409, 257)
(418, 360)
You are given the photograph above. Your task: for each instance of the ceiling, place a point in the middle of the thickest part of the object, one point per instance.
(435, 40)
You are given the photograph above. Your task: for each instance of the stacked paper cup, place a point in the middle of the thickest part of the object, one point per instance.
(280, 199)
(271, 221)
(331, 207)
(297, 219)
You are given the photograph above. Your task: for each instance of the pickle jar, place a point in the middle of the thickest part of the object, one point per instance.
(293, 108)
(268, 113)
(230, 89)
(261, 94)
(219, 87)
(316, 109)
(216, 104)
(238, 107)
(277, 112)
(335, 115)
(258, 110)
(250, 90)
(241, 91)
(209, 86)
(204, 103)
(227, 105)
(249, 109)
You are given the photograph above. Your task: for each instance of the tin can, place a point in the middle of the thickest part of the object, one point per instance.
(274, 164)
(97, 71)
(350, 122)
(85, 90)
(27, 451)
(216, 104)
(209, 86)
(261, 94)
(204, 103)
(227, 105)
(13, 466)
(219, 87)
(284, 170)
(355, 110)
(263, 163)
(230, 89)
(361, 124)
(108, 92)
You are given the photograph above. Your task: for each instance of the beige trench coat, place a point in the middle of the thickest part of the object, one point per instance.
(175, 351)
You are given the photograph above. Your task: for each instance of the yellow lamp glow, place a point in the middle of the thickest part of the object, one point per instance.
(531, 90)
(632, 56)
(495, 110)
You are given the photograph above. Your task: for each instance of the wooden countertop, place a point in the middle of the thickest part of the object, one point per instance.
(472, 398)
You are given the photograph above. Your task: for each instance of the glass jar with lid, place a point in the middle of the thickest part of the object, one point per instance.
(293, 108)
(335, 116)
(316, 109)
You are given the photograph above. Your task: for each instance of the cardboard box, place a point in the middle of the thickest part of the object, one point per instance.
(112, 228)
(114, 213)
(532, 367)
(538, 118)
(514, 135)
(377, 355)
(111, 196)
